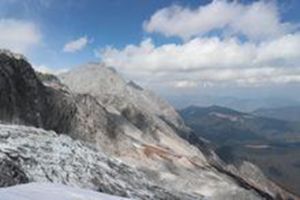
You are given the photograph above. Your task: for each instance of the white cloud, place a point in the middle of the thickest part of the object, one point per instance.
(19, 36)
(48, 70)
(258, 20)
(76, 45)
(209, 60)
(184, 84)
(270, 54)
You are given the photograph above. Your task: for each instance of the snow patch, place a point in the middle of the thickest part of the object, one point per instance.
(48, 191)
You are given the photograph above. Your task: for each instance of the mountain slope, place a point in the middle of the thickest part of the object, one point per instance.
(221, 124)
(110, 89)
(263, 141)
(34, 155)
(144, 112)
(122, 121)
(148, 141)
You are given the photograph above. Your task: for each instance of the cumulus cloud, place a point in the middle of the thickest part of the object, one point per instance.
(48, 70)
(19, 36)
(184, 84)
(209, 61)
(259, 20)
(76, 45)
(212, 52)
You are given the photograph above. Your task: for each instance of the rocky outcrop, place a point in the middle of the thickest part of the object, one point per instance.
(11, 174)
(25, 100)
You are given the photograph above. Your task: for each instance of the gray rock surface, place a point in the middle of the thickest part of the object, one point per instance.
(36, 155)
(25, 100)
(112, 90)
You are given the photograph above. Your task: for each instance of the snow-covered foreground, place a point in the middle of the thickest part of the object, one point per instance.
(48, 191)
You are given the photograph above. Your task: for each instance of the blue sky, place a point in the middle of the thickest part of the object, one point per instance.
(170, 46)
(105, 22)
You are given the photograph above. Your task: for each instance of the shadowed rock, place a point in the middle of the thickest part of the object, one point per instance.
(25, 100)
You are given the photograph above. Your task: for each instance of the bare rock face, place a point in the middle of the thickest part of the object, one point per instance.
(112, 90)
(25, 100)
(11, 174)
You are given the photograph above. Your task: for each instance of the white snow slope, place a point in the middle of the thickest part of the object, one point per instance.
(48, 191)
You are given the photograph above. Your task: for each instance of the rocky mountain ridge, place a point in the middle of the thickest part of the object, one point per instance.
(25, 100)
(95, 105)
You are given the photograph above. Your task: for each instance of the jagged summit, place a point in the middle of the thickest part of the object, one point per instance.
(12, 55)
(111, 89)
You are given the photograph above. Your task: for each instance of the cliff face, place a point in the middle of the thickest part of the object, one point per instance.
(110, 117)
(25, 100)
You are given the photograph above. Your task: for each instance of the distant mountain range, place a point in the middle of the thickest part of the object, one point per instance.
(289, 113)
(243, 104)
(222, 124)
(267, 142)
